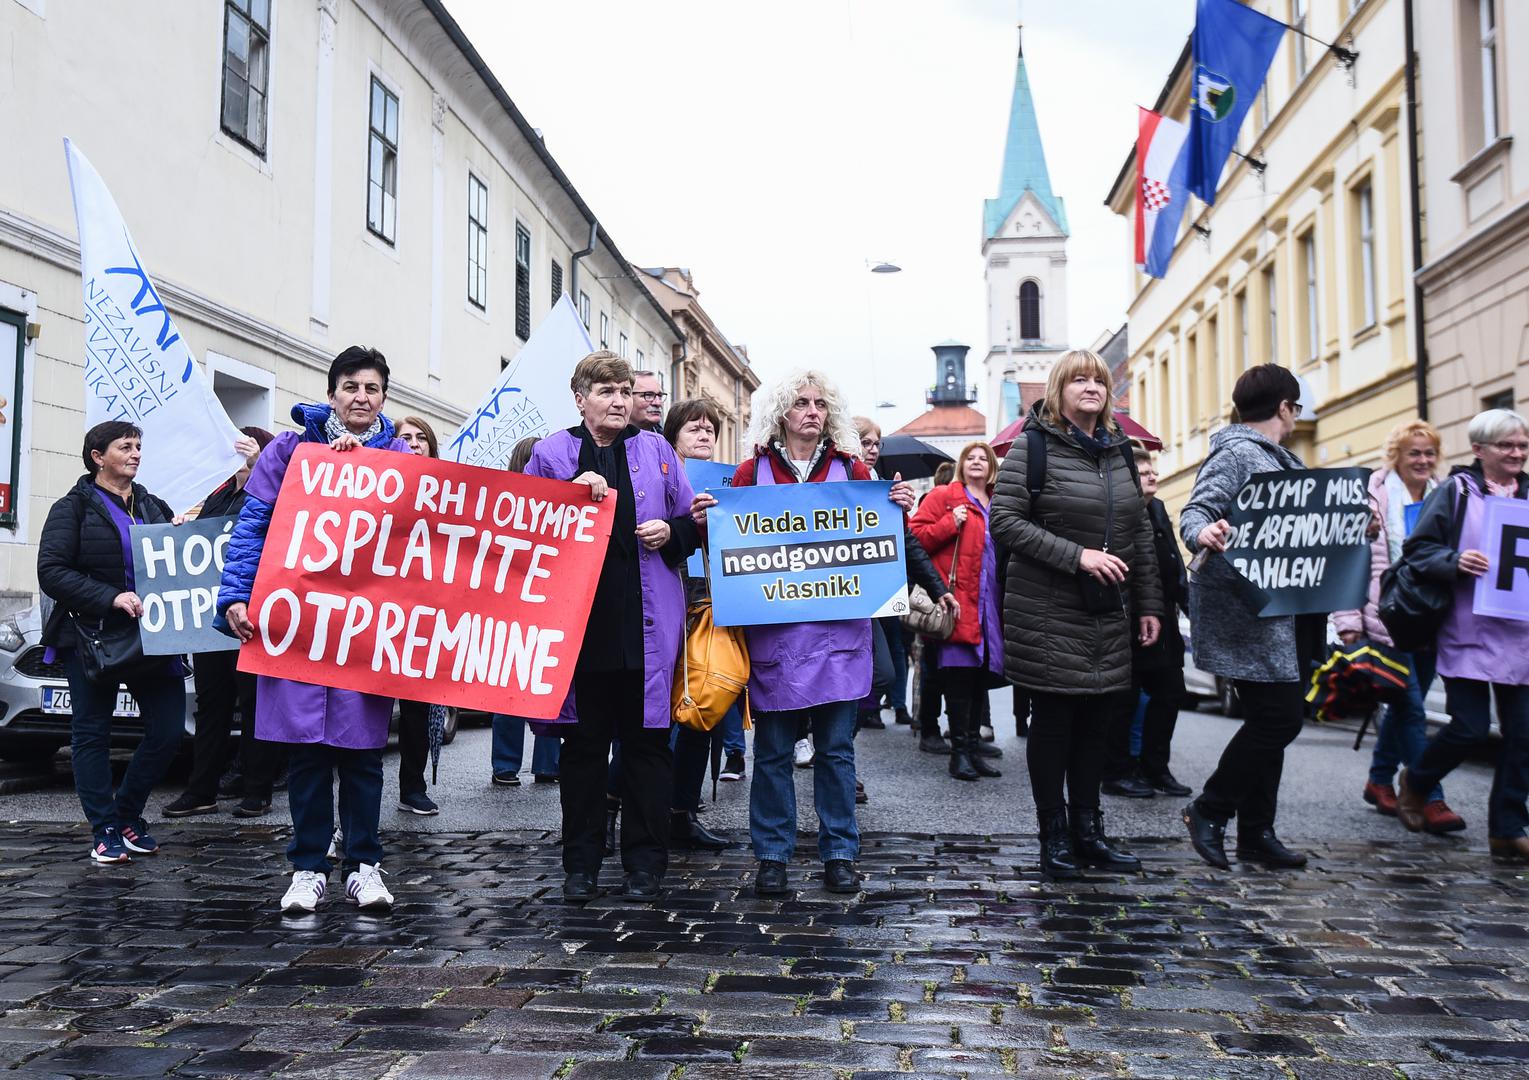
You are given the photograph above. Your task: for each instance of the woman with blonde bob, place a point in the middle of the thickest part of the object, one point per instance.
(1405, 479)
(802, 434)
(952, 525)
(1082, 579)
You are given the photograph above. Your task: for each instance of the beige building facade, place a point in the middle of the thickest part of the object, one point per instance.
(1306, 263)
(299, 176)
(713, 368)
(1474, 58)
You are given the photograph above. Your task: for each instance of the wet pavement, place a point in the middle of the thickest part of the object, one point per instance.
(1386, 958)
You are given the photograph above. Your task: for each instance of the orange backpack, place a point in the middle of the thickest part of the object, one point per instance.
(713, 671)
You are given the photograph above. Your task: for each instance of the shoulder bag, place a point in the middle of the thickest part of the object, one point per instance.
(925, 615)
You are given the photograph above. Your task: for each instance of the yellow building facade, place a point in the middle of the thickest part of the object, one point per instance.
(1306, 262)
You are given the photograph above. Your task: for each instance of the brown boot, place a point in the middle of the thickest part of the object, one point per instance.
(1509, 848)
(1409, 803)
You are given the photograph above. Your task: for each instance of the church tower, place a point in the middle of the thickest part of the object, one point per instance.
(1024, 247)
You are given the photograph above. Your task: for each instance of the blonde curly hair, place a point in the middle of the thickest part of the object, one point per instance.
(770, 407)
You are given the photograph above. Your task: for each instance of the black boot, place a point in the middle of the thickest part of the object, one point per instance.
(612, 812)
(961, 740)
(1057, 862)
(1093, 848)
(979, 759)
(987, 750)
(686, 831)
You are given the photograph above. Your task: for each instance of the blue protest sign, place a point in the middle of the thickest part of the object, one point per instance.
(703, 475)
(177, 570)
(806, 553)
(1410, 514)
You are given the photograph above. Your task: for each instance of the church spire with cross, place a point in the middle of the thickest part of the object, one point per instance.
(1024, 246)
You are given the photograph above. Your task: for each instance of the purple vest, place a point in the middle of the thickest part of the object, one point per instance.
(662, 491)
(800, 665)
(1475, 646)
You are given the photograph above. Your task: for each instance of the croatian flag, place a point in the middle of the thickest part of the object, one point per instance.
(1162, 191)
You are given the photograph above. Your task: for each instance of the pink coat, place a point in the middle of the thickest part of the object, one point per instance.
(1367, 622)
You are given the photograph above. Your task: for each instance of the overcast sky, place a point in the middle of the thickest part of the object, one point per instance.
(773, 149)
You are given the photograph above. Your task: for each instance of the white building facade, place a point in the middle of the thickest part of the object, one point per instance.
(299, 176)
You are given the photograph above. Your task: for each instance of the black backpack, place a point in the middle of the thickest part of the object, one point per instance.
(1412, 606)
(1035, 462)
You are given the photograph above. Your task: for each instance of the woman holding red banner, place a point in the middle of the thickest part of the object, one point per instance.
(818, 671)
(624, 676)
(332, 731)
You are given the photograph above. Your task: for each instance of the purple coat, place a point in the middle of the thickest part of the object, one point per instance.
(799, 665)
(1475, 646)
(662, 492)
(299, 712)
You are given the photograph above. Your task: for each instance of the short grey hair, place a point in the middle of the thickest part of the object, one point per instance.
(770, 408)
(1491, 426)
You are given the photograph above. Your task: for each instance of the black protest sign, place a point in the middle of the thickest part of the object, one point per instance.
(1298, 540)
(176, 571)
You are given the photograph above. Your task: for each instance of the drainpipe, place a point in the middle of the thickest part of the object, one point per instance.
(1420, 342)
(573, 278)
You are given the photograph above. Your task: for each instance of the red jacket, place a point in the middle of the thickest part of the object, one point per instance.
(935, 527)
(743, 476)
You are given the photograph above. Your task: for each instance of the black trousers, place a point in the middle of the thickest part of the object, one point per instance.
(1066, 748)
(610, 706)
(413, 746)
(221, 688)
(1021, 709)
(1164, 688)
(692, 753)
(1245, 784)
(929, 692)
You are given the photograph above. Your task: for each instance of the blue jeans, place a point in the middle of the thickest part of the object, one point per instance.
(510, 748)
(161, 696)
(772, 795)
(732, 732)
(1469, 702)
(1403, 728)
(311, 770)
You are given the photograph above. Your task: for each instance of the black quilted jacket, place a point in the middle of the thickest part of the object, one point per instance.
(1052, 643)
(79, 559)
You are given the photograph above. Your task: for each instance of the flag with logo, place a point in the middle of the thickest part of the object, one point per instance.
(1233, 48)
(1161, 189)
(138, 368)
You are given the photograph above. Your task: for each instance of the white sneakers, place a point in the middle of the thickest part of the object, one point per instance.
(365, 888)
(305, 892)
(802, 754)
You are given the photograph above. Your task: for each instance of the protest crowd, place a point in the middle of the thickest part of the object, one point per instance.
(1055, 570)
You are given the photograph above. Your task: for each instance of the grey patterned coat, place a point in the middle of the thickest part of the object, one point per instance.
(1051, 642)
(1226, 634)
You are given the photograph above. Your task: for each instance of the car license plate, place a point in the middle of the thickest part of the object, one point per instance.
(56, 699)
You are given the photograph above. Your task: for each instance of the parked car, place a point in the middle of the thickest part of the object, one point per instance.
(34, 696)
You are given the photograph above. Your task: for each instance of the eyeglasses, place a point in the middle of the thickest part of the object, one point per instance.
(1511, 447)
(651, 395)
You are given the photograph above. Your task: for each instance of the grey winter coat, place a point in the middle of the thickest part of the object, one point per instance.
(1052, 643)
(1226, 633)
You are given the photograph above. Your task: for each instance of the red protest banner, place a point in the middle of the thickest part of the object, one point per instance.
(427, 580)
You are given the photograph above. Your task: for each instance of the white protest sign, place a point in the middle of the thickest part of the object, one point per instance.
(532, 395)
(137, 366)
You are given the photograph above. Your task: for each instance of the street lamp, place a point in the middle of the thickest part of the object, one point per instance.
(877, 266)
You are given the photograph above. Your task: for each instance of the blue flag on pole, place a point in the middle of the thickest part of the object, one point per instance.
(1233, 48)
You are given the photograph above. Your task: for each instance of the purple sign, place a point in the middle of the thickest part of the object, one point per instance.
(1503, 591)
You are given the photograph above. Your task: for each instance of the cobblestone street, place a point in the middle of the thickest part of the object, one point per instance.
(1389, 957)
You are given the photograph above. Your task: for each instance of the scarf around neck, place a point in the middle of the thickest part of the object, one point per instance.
(334, 427)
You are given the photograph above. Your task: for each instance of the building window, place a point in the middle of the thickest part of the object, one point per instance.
(584, 308)
(605, 330)
(1265, 110)
(522, 282)
(1271, 299)
(382, 164)
(1503, 399)
(1487, 16)
(1030, 312)
(477, 242)
(640, 361)
(246, 70)
(1299, 9)
(621, 345)
(557, 281)
(13, 348)
(1244, 355)
(1309, 268)
(1364, 221)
